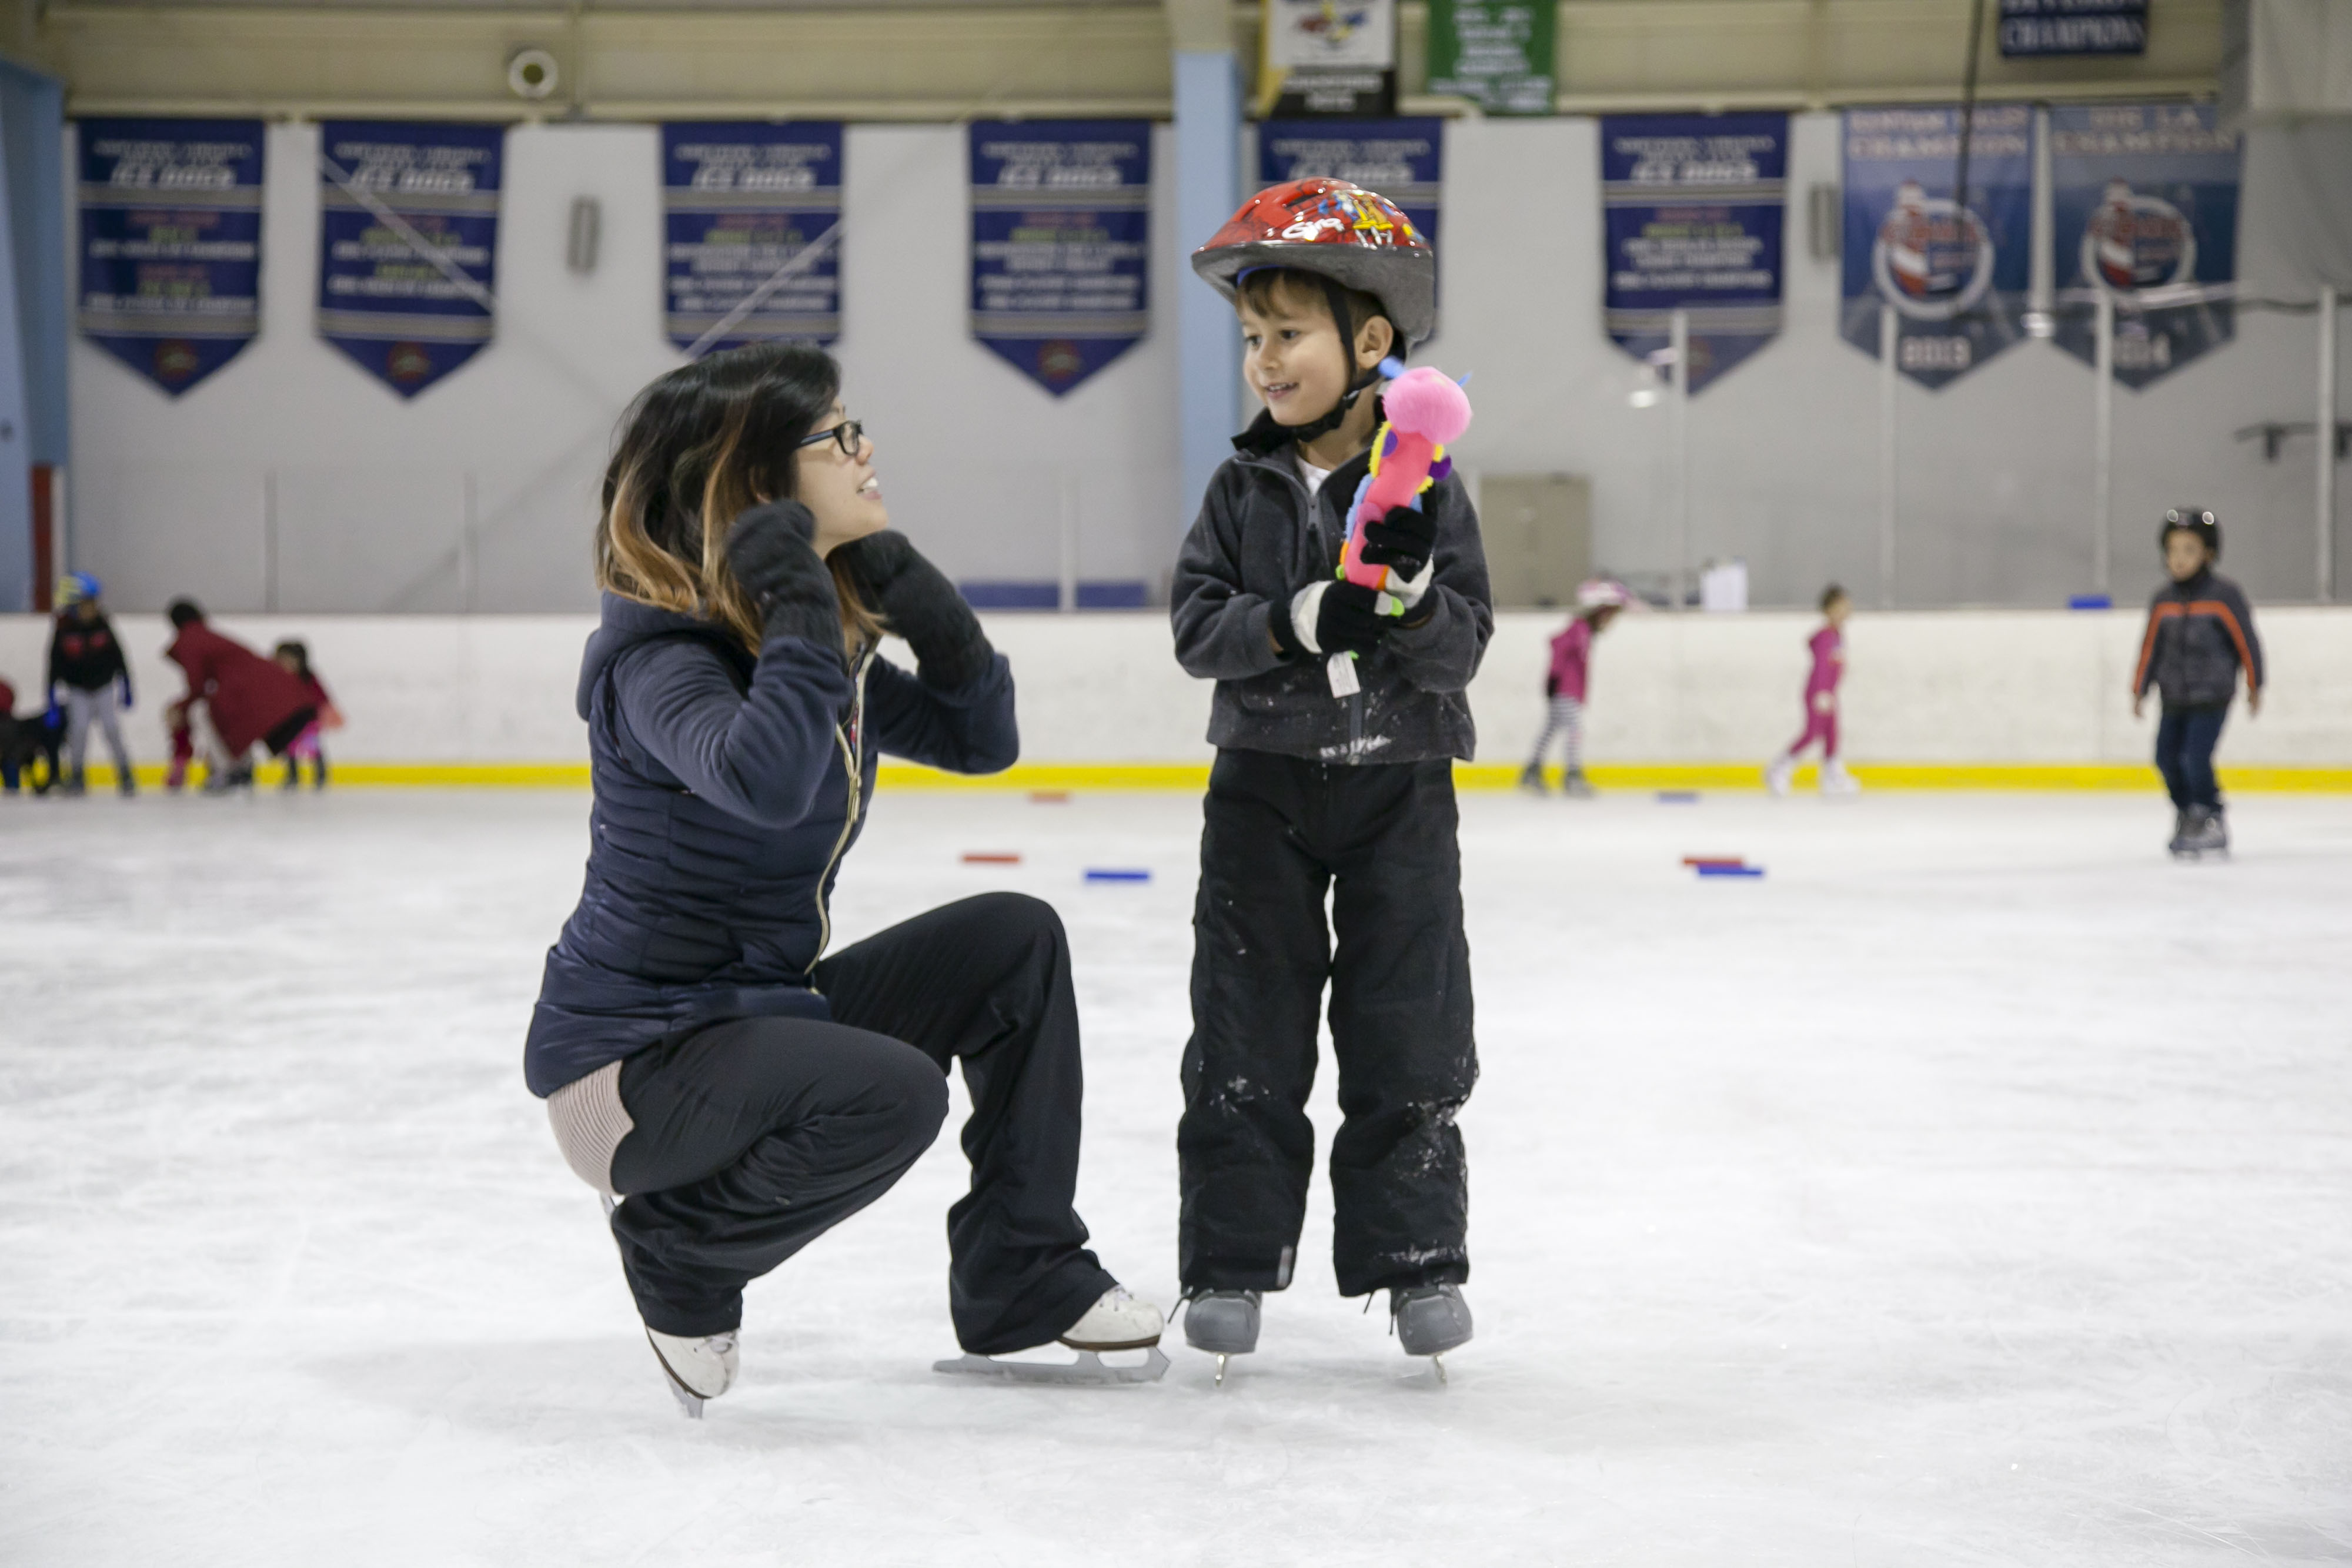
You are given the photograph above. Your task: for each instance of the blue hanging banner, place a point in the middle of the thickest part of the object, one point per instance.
(1061, 243)
(170, 243)
(1957, 280)
(2032, 29)
(409, 235)
(742, 206)
(1404, 160)
(1693, 209)
(2146, 211)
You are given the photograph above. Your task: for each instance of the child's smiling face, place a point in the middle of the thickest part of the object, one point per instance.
(1293, 356)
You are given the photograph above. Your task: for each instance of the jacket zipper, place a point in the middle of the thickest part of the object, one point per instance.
(854, 766)
(1330, 559)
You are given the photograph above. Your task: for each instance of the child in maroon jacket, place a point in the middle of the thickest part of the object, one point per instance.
(247, 697)
(294, 658)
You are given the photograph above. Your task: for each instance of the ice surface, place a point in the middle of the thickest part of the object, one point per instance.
(1974, 1188)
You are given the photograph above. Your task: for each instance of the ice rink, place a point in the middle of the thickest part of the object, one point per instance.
(1974, 1188)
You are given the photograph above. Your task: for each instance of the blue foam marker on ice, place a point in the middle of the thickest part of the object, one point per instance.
(1704, 870)
(1677, 797)
(2089, 601)
(1100, 873)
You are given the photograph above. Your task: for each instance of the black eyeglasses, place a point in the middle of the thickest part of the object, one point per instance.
(849, 435)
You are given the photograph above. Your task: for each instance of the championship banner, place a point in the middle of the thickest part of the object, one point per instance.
(1327, 58)
(2032, 29)
(742, 206)
(1404, 160)
(408, 231)
(1498, 54)
(2145, 209)
(1694, 205)
(1957, 280)
(170, 243)
(1061, 243)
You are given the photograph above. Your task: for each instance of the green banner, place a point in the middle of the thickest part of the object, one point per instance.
(1498, 54)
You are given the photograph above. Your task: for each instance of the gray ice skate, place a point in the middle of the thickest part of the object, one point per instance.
(2184, 826)
(1430, 1319)
(1117, 1321)
(1531, 779)
(1576, 785)
(2209, 835)
(1222, 1322)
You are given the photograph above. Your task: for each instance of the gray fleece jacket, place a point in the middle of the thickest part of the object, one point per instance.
(1259, 540)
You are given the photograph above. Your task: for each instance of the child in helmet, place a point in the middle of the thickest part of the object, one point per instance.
(2200, 634)
(1827, 646)
(1313, 792)
(88, 679)
(1597, 605)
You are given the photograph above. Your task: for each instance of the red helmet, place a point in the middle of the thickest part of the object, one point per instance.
(1353, 236)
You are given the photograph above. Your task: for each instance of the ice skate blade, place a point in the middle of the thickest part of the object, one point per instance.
(1438, 1363)
(688, 1400)
(1222, 1359)
(1089, 1371)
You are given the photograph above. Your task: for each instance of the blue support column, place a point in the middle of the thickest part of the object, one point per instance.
(1208, 344)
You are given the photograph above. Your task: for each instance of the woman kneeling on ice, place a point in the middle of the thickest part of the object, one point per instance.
(700, 1057)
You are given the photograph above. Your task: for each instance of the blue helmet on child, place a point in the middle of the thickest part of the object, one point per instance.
(76, 586)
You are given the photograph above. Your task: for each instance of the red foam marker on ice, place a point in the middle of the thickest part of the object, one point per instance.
(978, 857)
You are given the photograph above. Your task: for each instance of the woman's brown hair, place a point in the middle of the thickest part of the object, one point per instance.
(699, 446)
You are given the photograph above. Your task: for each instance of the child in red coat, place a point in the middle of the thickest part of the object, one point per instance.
(294, 658)
(247, 697)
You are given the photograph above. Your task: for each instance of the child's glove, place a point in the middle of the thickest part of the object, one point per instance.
(768, 549)
(922, 606)
(1334, 616)
(1403, 541)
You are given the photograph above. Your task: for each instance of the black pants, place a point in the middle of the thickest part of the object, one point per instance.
(755, 1137)
(2185, 740)
(1279, 833)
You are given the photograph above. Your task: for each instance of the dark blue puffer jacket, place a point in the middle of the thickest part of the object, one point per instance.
(728, 790)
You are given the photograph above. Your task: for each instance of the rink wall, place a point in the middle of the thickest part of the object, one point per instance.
(1938, 699)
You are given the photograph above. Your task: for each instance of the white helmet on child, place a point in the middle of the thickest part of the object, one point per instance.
(1604, 593)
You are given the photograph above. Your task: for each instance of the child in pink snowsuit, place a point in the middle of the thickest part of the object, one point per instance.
(1828, 646)
(1597, 603)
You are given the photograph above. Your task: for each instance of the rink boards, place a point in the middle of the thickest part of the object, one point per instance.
(1957, 699)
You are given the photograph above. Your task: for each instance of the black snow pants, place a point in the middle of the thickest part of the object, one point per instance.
(754, 1136)
(1278, 832)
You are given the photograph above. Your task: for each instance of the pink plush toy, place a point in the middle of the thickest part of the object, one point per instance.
(1425, 412)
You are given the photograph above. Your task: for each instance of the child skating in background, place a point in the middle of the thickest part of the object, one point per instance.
(90, 679)
(1828, 647)
(1597, 605)
(2200, 634)
(1314, 794)
(294, 658)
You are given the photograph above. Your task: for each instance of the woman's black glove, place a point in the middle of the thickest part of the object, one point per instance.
(921, 605)
(1334, 616)
(768, 549)
(1403, 541)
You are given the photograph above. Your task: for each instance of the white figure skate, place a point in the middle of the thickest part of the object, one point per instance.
(1836, 782)
(1117, 1321)
(1776, 776)
(697, 1369)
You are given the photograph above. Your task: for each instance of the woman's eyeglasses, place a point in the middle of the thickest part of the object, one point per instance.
(849, 435)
